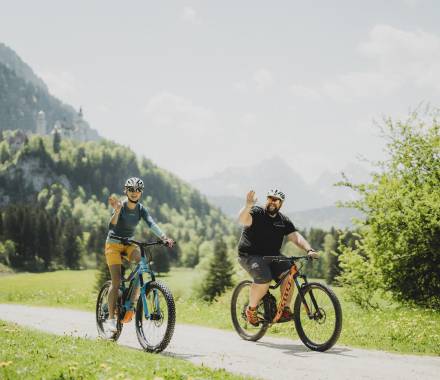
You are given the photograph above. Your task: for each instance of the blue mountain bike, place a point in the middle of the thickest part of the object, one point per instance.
(155, 312)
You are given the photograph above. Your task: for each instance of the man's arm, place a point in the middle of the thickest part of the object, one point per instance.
(299, 240)
(245, 217)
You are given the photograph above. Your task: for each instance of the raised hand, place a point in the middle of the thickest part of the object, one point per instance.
(115, 203)
(250, 199)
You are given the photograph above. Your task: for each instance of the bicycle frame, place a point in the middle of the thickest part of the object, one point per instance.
(293, 275)
(136, 278)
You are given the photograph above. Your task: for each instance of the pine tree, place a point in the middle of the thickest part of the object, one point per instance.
(56, 142)
(43, 244)
(1, 226)
(330, 243)
(219, 276)
(71, 244)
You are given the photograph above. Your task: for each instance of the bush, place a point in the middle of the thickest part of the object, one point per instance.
(399, 249)
(7, 250)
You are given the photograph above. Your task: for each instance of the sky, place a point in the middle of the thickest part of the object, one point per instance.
(200, 86)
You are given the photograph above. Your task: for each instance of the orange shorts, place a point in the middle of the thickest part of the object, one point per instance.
(114, 252)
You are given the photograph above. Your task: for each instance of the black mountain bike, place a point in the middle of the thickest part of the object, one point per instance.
(155, 313)
(317, 312)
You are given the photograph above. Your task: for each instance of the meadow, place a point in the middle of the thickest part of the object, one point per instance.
(394, 327)
(29, 354)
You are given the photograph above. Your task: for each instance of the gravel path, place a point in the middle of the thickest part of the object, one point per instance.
(270, 358)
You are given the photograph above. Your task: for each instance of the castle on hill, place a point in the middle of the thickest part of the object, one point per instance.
(77, 130)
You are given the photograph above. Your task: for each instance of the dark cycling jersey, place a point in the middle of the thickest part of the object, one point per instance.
(265, 235)
(129, 219)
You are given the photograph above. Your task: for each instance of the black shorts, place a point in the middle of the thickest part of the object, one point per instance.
(262, 271)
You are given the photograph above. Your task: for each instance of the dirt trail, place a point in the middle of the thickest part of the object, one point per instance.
(271, 358)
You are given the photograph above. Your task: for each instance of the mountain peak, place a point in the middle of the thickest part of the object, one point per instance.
(12, 61)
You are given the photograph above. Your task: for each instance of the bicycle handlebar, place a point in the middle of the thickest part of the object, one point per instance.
(127, 241)
(284, 258)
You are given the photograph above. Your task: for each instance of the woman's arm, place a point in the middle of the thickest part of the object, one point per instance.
(117, 205)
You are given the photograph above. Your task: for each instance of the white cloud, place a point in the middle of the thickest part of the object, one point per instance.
(240, 87)
(412, 57)
(190, 15)
(182, 136)
(103, 108)
(248, 119)
(358, 85)
(263, 79)
(167, 111)
(304, 92)
(396, 58)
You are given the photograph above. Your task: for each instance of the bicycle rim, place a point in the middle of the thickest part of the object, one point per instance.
(320, 328)
(239, 303)
(102, 313)
(155, 331)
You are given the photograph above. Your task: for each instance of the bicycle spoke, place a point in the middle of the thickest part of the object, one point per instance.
(155, 330)
(319, 324)
(155, 327)
(239, 303)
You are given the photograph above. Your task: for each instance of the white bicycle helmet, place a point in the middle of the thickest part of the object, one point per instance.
(276, 193)
(134, 182)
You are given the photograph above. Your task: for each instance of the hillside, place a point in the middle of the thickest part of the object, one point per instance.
(325, 218)
(23, 95)
(64, 195)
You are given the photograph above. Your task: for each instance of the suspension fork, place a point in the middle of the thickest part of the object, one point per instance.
(303, 298)
(144, 267)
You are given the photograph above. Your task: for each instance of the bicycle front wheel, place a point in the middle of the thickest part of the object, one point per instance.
(318, 327)
(155, 330)
(239, 303)
(102, 314)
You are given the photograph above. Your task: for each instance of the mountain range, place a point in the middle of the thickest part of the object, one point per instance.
(314, 204)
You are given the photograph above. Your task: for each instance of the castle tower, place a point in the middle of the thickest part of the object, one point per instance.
(80, 126)
(41, 123)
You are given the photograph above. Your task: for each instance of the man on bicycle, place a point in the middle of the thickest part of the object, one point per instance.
(263, 232)
(125, 218)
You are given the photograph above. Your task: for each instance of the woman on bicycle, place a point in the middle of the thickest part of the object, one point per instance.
(125, 218)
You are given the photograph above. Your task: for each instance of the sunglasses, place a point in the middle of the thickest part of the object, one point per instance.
(272, 199)
(134, 190)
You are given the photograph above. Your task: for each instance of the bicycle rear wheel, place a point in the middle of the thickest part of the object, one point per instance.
(155, 331)
(102, 313)
(239, 303)
(320, 328)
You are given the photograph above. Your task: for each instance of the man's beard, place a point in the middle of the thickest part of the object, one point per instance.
(272, 210)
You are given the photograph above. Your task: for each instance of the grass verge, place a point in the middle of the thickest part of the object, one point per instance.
(28, 354)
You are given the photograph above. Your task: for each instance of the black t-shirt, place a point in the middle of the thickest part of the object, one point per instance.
(265, 235)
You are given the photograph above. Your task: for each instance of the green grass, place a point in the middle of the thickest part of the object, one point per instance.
(73, 289)
(28, 354)
(394, 328)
